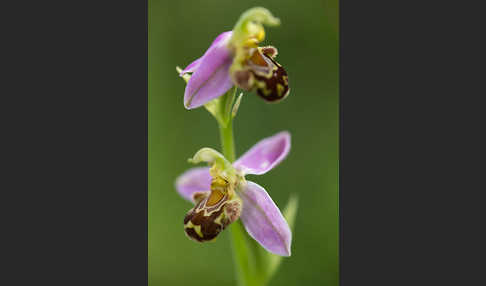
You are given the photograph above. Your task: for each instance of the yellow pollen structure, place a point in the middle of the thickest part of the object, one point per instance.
(261, 35)
(256, 37)
(219, 184)
(251, 42)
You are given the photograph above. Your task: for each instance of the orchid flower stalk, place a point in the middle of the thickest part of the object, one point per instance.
(222, 197)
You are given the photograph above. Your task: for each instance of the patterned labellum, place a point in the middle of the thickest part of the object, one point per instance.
(269, 77)
(213, 212)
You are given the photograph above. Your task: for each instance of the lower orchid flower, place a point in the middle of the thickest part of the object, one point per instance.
(234, 58)
(221, 195)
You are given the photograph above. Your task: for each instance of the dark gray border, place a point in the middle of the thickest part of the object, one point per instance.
(74, 103)
(412, 127)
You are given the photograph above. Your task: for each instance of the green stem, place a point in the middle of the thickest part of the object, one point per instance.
(247, 259)
(227, 141)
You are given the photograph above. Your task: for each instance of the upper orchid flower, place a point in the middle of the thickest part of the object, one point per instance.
(234, 58)
(221, 195)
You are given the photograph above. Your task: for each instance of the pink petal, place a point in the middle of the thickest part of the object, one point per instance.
(192, 181)
(210, 78)
(265, 155)
(195, 64)
(264, 221)
(192, 67)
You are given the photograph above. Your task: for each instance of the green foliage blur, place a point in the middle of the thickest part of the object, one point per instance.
(307, 40)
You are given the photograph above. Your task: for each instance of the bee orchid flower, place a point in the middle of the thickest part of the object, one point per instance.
(221, 195)
(234, 58)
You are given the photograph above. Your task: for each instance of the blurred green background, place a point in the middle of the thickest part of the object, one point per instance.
(307, 40)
